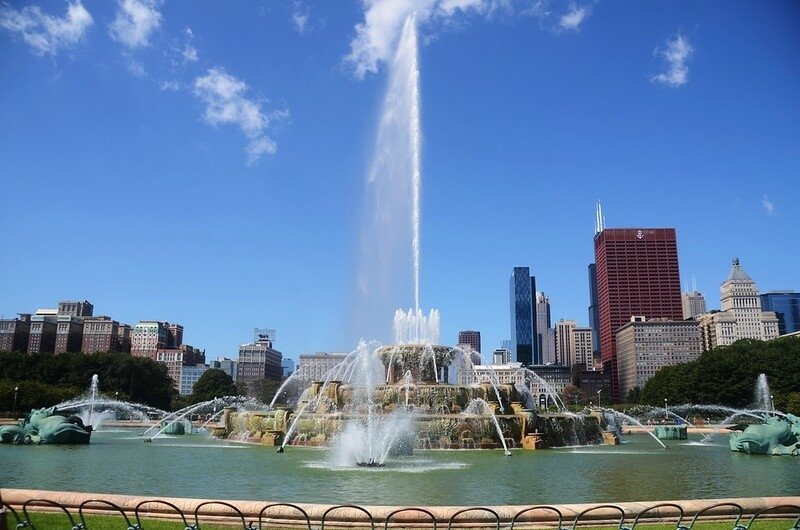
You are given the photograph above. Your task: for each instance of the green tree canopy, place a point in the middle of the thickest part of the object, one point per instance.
(727, 375)
(212, 384)
(137, 379)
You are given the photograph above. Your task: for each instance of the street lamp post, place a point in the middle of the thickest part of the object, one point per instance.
(598, 396)
(772, 402)
(14, 406)
(666, 410)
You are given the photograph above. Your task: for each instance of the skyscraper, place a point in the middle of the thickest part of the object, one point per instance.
(594, 311)
(524, 348)
(637, 274)
(693, 303)
(471, 337)
(546, 339)
(786, 305)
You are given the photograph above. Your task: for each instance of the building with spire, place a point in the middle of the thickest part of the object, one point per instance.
(741, 316)
(637, 275)
(693, 304)
(545, 334)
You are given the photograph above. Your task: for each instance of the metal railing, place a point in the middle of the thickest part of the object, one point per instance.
(276, 515)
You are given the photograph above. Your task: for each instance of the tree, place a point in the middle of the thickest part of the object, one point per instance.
(726, 375)
(572, 395)
(634, 395)
(138, 379)
(266, 389)
(212, 384)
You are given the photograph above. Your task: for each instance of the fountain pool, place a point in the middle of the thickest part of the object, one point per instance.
(199, 466)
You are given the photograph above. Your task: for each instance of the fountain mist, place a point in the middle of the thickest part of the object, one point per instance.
(389, 254)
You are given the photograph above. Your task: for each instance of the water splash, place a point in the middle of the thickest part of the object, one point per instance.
(762, 394)
(480, 407)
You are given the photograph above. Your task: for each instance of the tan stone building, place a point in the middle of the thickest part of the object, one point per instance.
(314, 366)
(574, 344)
(646, 346)
(741, 316)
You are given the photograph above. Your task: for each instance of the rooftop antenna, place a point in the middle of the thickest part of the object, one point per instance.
(694, 284)
(599, 218)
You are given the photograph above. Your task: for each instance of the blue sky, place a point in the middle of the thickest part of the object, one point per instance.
(204, 162)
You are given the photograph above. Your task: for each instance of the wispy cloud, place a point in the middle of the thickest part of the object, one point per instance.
(301, 14)
(676, 53)
(226, 102)
(45, 33)
(189, 52)
(169, 85)
(133, 66)
(768, 205)
(572, 19)
(135, 22)
(383, 20)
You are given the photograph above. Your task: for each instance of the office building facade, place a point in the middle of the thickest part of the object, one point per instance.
(229, 366)
(574, 344)
(545, 334)
(644, 346)
(524, 346)
(258, 361)
(102, 334)
(594, 309)
(471, 337)
(693, 303)
(315, 366)
(15, 333)
(42, 338)
(786, 306)
(637, 274)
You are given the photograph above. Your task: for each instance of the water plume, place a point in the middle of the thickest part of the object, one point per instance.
(388, 274)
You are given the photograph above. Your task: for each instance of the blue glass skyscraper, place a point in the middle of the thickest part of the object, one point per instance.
(786, 305)
(522, 288)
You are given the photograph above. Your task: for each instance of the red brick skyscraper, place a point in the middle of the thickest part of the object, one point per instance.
(637, 274)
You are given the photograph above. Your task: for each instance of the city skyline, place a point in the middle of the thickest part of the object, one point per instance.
(180, 218)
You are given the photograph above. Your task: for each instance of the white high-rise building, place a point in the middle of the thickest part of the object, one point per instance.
(741, 316)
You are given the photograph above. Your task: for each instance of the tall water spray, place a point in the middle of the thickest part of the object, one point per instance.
(389, 254)
(761, 395)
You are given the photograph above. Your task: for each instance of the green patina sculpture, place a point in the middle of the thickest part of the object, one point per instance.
(776, 436)
(46, 426)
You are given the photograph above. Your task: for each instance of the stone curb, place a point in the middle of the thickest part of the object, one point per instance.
(353, 516)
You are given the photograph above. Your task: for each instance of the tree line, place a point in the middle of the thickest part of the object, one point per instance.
(727, 376)
(45, 379)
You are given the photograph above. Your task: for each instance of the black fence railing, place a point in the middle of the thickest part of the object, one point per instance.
(283, 515)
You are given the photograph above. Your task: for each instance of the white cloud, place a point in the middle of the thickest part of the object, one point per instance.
(135, 21)
(383, 21)
(46, 33)
(676, 53)
(226, 102)
(189, 52)
(768, 205)
(573, 18)
(170, 85)
(301, 14)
